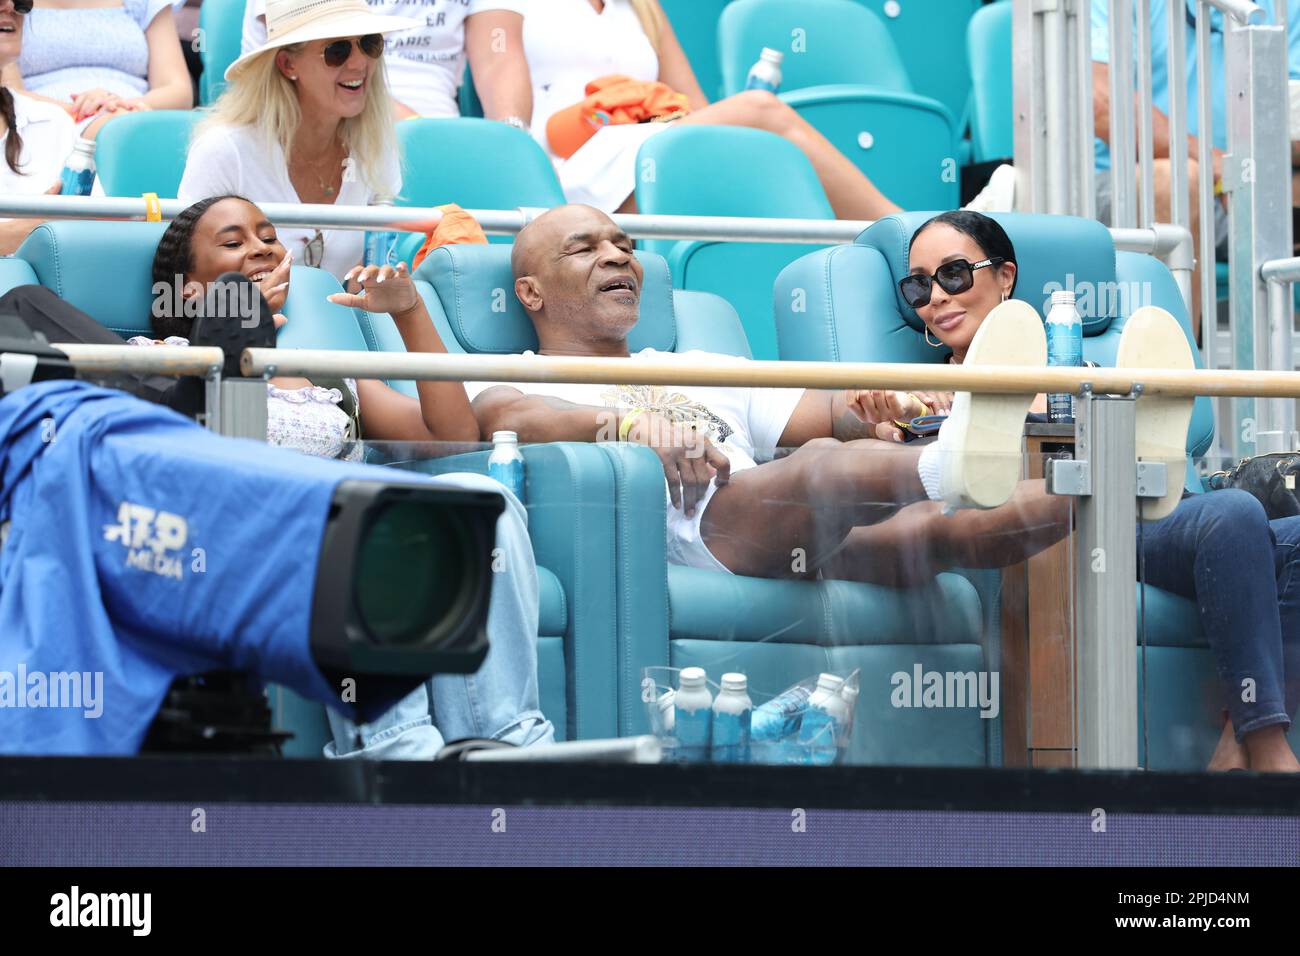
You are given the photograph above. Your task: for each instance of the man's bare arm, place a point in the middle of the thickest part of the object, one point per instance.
(542, 418)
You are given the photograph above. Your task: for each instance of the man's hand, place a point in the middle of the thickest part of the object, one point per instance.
(382, 290)
(689, 459)
(275, 284)
(874, 406)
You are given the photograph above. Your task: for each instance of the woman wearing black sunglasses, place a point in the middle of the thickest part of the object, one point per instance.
(306, 118)
(1218, 549)
(37, 136)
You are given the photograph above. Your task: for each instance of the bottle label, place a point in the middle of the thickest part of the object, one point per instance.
(757, 82)
(817, 733)
(691, 728)
(76, 182)
(380, 248)
(509, 473)
(1064, 348)
(731, 737)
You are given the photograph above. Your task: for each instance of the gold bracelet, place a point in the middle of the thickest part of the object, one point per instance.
(628, 421)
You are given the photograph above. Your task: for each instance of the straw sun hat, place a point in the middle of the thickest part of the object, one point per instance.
(299, 21)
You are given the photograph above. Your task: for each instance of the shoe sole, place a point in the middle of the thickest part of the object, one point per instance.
(1152, 338)
(982, 460)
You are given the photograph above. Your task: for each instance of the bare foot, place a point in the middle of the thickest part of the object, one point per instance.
(1229, 754)
(1269, 751)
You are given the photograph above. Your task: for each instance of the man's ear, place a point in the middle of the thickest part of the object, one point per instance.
(529, 293)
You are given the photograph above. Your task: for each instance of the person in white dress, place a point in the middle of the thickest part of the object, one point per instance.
(427, 62)
(37, 136)
(569, 43)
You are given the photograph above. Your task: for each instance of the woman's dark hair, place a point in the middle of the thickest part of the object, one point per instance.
(986, 233)
(174, 259)
(13, 142)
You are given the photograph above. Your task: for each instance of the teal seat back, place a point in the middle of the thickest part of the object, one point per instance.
(992, 113)
(222, 26)
(729, 171)
(930, 37)
(145, 152)
(695, 24)
(824, 41)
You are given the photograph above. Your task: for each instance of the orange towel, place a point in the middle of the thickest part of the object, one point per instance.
(456, 227)
(612, 100)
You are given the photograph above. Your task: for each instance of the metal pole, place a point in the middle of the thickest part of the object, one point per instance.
(1122, 152)
(1260, 221)
(1209, 317)
(1056, 109)
(1106, 567)
(1180, 211)
(1027, 84)
(243, 408)
(1085, 155)
(1146, 138)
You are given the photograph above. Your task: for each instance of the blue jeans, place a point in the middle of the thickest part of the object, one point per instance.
(500, 700)
(1218, 549)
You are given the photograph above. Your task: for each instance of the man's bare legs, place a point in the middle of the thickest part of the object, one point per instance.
(858, 511)
(807, 502)
(852, 195)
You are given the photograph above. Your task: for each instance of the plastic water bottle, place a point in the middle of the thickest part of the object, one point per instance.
(380, 246)
(78, 174)
(1064, 347)
(732, 710)
(849, 692)
(506, 464)
(822, 724)
(780, 716)
(693, 714)
(766, 73)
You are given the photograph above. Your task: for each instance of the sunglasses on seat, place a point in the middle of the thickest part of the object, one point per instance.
(953, 277)
(337, 52)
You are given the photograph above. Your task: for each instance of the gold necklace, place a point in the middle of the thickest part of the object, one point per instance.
(326, 188)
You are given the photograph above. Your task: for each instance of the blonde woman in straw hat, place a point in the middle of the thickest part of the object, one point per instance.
(306, 118)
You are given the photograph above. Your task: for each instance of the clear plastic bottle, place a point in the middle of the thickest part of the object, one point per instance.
(821, 727)
(78, 175)
(766, 73)
(693, 714)
(380, 245)
(849, 692)
(1064, 347)
(506, 463)
(780, 716)
(732, 710)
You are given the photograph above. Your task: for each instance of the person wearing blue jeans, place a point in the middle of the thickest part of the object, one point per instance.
(1218, 549)
(500, 700)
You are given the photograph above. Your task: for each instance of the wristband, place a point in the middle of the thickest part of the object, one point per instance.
(628, 421)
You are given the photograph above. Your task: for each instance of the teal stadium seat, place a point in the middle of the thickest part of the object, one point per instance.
(145, 152)
(222, 26)
(776, 631)
(866, 105)
(992, 113)
(699, 171)
(930, 36)
(695, 23)
(852, 312)
(476, 163)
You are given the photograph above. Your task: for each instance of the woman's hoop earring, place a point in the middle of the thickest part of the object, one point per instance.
(1004, 297)
(933, 345)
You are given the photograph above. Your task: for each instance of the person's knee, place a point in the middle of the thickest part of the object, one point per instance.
(1232, 511)
(764, 110)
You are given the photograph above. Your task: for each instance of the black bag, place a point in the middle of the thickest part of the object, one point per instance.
(1272, 479)
(26, 357)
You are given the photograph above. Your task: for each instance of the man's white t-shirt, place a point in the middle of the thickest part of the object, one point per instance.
(48, 135)
(425, 64)
(746, 424)
(236, 160)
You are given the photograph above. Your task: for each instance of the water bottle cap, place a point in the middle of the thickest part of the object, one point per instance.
(830, 682)
(83, 145)
(692, 677)
(849, 692)
(1063, 297)
(772, 56)
(734, 682)
(498, 437)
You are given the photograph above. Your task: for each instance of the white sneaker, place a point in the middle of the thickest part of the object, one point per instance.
(1152, 338)
(1000, 193)
(979, 446)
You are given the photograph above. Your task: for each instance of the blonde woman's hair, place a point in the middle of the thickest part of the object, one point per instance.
(649, 17)
(261, 96)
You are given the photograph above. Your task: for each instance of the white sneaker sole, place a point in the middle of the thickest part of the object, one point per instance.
(1152, 338)
(982, 439)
